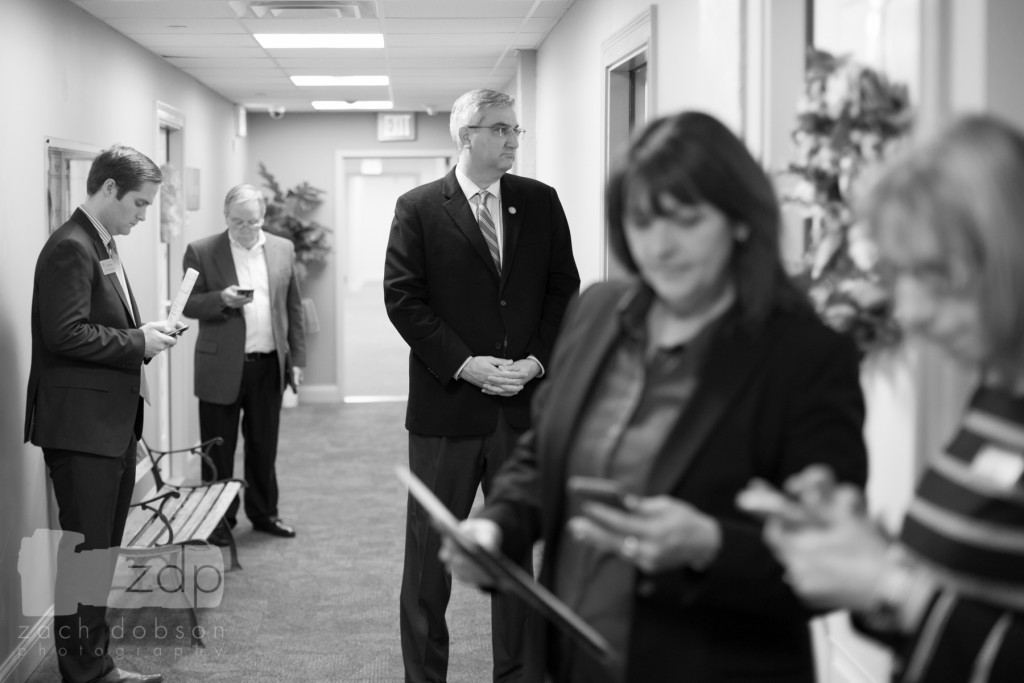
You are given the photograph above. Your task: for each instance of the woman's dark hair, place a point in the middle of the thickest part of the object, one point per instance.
(127, 167)
(694, 158)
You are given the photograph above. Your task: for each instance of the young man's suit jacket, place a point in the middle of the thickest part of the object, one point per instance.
(447, 300)
(220, 345)
(768, 404)
(83, 387)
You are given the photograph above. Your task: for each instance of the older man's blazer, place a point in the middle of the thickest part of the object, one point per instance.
(220, 345)
(769, 403)
(87, 354)
(447, 300)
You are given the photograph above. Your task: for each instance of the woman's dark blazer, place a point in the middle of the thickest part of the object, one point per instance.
(769, 402)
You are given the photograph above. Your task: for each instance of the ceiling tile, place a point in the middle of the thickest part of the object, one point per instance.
(173, 9)
(434, 49)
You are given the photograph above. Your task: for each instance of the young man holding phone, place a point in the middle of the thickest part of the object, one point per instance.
(86, 395)
(251, 344)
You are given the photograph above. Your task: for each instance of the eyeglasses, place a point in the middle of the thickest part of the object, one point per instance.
(239, 223)
(503, 131)
(950, 279)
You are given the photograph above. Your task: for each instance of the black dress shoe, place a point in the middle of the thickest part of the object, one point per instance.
(220, 537)
(274, 527)
(116, 675)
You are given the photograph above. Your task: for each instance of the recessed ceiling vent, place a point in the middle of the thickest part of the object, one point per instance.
(306, 9)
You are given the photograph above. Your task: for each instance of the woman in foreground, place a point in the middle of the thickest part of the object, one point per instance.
(666, 394)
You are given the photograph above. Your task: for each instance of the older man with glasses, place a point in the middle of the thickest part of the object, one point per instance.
(478, 274)
(251, 344)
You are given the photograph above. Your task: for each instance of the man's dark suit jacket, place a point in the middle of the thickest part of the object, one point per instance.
(444, 296)
(220, 345)
(83, 386)
(768, 403)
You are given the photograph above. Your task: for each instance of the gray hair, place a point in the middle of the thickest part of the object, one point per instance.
(467, 109)
(244, 193)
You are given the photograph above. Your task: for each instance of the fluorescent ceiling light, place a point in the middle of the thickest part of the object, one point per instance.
(340, 80)
(320, 40)
(335, 105)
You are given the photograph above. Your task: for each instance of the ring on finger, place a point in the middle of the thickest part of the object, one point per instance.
(629, 546)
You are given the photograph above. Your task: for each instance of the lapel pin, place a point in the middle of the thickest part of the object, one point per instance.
(512, 209)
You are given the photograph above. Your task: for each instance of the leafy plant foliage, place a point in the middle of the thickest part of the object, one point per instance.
(288, 216)
(849, 119)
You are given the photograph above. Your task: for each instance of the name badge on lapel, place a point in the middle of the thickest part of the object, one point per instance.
(108, 266)
(1001, 467)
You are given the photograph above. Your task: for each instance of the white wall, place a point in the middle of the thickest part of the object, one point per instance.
(68, 76)
(692, 72)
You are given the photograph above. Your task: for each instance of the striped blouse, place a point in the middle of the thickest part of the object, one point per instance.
(966, 526)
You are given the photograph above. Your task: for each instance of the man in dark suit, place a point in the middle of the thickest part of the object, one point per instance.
(251, 344)
(478, 275)
(85, 394)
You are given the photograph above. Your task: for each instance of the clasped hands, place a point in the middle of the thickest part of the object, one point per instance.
(499, 376)
(819, 530)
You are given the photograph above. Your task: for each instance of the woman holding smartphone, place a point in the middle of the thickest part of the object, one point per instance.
(948, 594)
(706, 368)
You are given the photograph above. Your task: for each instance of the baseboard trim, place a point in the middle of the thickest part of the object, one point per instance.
(31, 650)
(376, 399)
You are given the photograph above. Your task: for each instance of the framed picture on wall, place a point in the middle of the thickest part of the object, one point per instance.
(67, 168)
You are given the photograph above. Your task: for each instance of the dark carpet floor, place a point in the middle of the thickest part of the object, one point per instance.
(323, 606)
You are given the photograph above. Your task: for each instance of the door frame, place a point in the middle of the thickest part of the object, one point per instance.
(175, 433)
(636, 39)
(336, 394)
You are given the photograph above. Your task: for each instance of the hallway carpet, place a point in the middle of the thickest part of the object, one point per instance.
(322, 607)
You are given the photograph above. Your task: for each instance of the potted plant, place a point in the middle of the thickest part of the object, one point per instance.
(849, 119)
(288, 214)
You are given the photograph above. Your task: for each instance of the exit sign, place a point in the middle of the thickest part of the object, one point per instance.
(392, 127)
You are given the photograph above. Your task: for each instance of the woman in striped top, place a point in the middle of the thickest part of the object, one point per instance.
(948, 594)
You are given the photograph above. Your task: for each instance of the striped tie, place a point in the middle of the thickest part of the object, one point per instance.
(487, 228)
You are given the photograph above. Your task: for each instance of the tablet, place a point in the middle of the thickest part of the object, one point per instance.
(507, 575)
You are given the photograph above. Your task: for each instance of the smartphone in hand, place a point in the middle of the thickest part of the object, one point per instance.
(177, 331)
(243, 292)
(765, 501)
(594, 489)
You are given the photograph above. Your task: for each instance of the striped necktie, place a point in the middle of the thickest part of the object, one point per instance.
(487, 228)
(119, 270)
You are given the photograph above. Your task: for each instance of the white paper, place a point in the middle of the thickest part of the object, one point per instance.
(187, 283)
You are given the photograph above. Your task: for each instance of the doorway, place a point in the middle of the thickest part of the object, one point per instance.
(372, 357)
(629, 97)
(169, 373)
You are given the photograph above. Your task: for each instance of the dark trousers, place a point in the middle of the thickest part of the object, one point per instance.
(259, 405)
(93, 493)
(452, 468)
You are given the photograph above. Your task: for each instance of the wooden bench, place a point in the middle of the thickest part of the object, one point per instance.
(183, 515)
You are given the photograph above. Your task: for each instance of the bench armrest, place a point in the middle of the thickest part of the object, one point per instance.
(159, 509)
(202, 450)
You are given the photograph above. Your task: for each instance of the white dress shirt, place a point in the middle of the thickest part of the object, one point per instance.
(251, 268)
(493, 205)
